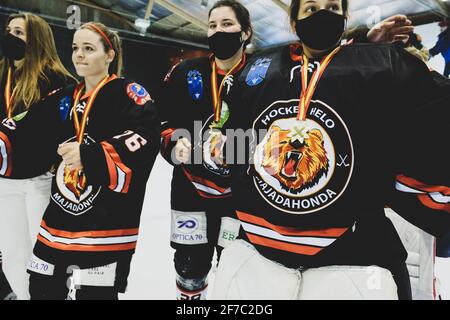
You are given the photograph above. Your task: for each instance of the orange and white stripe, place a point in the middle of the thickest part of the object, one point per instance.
(207, 188)
(306, 242)
(105, 240)
(5, 156)
(434, 197)
(165, 136)
(119, 174)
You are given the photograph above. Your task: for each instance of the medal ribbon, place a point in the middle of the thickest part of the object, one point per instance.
(80, 128)
(309, 89)
(217, 92)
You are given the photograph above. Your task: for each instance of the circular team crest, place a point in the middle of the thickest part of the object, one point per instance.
(302, 165)
(73, 193)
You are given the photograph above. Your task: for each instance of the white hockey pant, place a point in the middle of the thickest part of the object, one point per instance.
(245, 274)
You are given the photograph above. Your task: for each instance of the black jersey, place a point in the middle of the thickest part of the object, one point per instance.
(55, 81)
(94, 214)
(313, 188)
(186, 103)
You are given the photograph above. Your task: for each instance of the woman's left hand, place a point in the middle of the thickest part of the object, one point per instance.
(70, 152)
(394, 28)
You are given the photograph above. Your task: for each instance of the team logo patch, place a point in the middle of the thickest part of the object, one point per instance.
(64, 107)
(195, 84)
(138, 93)
(71, 190)
(258, 71)
(302, 166)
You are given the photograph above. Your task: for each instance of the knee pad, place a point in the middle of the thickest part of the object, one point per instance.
(243, 274)
(348, 283)
(420, 246)
(193, 263)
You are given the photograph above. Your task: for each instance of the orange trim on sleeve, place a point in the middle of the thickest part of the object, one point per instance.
(210, 196)
(113, 160)
(413, 183)
(166, 135)
(427, 201)
(203, 181)
(167, 132)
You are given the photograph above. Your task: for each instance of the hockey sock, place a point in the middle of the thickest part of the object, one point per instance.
(191, 289)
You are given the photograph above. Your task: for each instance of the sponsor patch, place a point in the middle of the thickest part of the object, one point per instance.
(188, 227)
(40, 266)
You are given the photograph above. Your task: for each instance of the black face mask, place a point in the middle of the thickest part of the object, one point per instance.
(225, 44)
(322, 30)
(13, 47)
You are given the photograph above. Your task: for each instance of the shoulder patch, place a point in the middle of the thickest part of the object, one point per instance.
(64, 107)
(258, 71)
(195, 84)
(138, 93)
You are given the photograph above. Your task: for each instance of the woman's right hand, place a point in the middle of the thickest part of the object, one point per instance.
(182, 150)
(391, 29)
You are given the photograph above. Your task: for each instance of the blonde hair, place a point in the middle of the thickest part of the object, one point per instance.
(423, 54)
(41, 59)
(117, 64)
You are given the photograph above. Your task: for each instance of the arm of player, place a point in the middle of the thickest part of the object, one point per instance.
(391, 29)
(421, 190)
(29, 140)
(113, 162)
(394, 28)
(6, 135)
(175, 148)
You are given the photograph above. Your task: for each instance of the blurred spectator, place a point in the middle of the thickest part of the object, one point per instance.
(443, 45)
